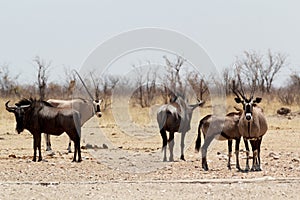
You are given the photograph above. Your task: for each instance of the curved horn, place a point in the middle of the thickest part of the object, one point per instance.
(91, 96)
(10, 108)
(24, 106)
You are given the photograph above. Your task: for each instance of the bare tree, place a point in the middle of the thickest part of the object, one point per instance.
(145, 84)
(289, 94)
(70, 82)
(173, 76)
(198, 84)
(109, 83)
(8, 84)
(228, 77)
(275, 62)
(42, 68)
(258, 70)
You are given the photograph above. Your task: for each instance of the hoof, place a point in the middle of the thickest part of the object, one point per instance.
(259, 169)
(229, 167)
(245, 170)
(205, 167)
(182, 157)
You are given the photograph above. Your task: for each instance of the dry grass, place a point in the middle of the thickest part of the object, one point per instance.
(146, 116)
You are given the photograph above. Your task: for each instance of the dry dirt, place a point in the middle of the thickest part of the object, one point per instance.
(129, 165)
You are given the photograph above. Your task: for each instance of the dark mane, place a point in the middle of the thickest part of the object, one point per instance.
(24, 101)
(30, 101)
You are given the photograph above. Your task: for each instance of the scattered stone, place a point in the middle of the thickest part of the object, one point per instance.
(105, 146)
(50, 153)
(283, 111)
(87, 146)
(296, 160)
(12, 156)
(274, 156)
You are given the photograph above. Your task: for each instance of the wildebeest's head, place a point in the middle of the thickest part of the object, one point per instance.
(96, 104)
(19, 110)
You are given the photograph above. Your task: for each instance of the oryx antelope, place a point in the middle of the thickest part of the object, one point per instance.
(252, 126)
(86, 108)
(40, 117)
(220, 128)
(175, 117)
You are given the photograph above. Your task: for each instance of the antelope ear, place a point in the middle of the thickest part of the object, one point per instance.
(237, 100)
(257, 100)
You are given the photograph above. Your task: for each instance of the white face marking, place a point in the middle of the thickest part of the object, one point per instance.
(97, 103)
(248, 116)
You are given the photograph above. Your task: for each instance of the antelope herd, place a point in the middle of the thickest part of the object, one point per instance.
(53, 117)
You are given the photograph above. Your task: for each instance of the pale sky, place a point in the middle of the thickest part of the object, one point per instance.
(66, 32)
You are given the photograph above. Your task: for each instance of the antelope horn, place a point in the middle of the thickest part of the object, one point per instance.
(236, 93)
(252, 91)
(10, 108)
(91, 96)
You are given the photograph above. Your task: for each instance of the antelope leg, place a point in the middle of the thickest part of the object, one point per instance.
(237, 151)
(182, 146)
(229, 153)
(247, 155)
(171, 146)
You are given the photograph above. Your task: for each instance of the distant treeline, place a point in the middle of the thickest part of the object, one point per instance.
(251, 70)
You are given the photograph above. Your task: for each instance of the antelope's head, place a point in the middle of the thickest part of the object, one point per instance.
(96, 104)
(248, 103)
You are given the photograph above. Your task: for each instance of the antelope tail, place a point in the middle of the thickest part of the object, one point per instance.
(198, 141)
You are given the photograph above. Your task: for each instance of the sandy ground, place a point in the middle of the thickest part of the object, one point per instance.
(126, 163)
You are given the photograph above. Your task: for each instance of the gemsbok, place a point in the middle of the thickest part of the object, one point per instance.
(175, 117)
(252, 126)
(220, 128)
(40, 117)
(86, 108)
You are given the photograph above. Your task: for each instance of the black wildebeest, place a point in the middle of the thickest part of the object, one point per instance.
(175, 117)
(252, 126)
(86, 108)
(40, 117)
(220, 128)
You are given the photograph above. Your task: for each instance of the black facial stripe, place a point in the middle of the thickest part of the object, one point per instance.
(248, 108)
(98, 108)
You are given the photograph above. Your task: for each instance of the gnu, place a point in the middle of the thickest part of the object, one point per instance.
(40, 117)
